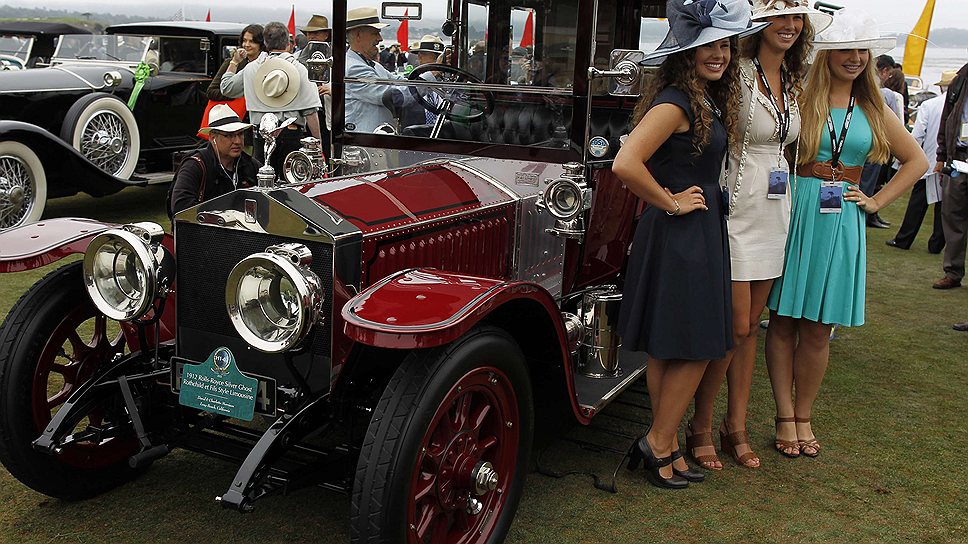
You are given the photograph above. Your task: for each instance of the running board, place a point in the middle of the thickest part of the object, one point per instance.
(596, 393)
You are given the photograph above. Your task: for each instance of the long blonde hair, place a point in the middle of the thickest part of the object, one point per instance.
(679, 70)
(815, 107)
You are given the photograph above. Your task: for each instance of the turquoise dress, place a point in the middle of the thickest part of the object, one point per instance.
(825, 263)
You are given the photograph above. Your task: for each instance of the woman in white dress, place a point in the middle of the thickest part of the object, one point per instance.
(772, 65)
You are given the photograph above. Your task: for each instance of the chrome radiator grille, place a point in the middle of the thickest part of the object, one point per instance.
(205, 255)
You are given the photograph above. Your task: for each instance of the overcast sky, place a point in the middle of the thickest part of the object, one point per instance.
(892, 15)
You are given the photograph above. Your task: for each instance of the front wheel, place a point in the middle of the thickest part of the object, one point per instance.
(102, 128)
(445, 454)
(52, 341)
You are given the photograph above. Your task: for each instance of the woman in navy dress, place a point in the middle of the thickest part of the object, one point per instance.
(676, 305)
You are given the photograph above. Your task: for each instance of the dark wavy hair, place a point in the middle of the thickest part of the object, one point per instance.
(795, 59)
(256, 31)
(679, 70)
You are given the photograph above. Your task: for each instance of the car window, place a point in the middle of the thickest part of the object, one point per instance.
(100, 47)
(522, 97)
(183, 55)
(16, 46)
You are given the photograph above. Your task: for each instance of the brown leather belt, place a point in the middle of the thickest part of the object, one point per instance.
(825, 171)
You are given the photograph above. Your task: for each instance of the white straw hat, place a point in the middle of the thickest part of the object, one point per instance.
(853, 28)
(277, 82)
(763, 9)
(357, 17)
(223, 119)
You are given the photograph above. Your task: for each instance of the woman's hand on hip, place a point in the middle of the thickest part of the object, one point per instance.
(690, 200)
(867, 203)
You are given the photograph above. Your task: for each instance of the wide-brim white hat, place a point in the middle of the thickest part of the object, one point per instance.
(223, 119)
(429, 44)
(358, 17)
(763, 9)
(693, 23)
(276, 82)
(853, 28)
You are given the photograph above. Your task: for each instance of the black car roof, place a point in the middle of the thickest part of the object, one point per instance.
(177, 28)
(39, 28)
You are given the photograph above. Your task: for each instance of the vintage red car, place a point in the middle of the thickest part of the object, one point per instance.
(396, 330)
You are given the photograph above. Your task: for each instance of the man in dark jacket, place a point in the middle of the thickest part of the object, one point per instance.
(953, 145)
(220, 167)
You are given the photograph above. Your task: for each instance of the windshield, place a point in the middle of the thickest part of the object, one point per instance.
(16, 46)
(129, 49)
(510, 78)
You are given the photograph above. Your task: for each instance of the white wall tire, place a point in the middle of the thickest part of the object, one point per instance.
(102, 128)
(23, 185)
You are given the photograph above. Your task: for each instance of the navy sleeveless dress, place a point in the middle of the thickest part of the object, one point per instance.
(677, 300)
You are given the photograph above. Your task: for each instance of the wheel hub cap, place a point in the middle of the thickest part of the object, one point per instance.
(15, 195)
(484, 478)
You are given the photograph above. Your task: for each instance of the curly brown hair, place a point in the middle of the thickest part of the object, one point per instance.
(795, 59)
(679, 70)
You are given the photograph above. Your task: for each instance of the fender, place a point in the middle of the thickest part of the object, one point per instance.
(67, 170)
(424, 308)
(45, 242)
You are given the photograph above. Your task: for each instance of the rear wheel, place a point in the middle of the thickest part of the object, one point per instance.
(52, 341)
(23, 185)
(445, 454)
(102, 128)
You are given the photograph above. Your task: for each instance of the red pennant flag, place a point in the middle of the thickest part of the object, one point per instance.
(527, 40)
(292, 23)
(403, 33)
(208, 18)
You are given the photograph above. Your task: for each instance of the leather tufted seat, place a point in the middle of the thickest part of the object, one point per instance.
(518, 123)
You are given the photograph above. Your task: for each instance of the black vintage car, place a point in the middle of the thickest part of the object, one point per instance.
(75, 125)
(30, 44)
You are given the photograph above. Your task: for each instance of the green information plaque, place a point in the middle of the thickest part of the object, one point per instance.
(218, 386)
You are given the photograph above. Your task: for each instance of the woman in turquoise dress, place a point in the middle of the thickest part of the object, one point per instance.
(844, 123)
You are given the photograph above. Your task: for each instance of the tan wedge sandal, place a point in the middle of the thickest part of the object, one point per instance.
(789, 448)
(698, 441)
(809, 447)
(731, 443)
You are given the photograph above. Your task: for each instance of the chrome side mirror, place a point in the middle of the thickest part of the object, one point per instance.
(624, 73)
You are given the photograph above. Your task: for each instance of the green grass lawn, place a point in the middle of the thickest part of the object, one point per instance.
(890, 416)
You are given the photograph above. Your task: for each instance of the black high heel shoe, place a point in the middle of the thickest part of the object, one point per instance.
(692, 475)
(641, 451)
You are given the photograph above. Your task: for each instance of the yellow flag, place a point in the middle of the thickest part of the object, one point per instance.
(917, 41)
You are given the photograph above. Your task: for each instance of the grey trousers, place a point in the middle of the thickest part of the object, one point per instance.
(954, 221)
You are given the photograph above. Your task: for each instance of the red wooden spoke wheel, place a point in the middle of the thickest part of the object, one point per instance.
(52, 341)
(445, 454)
(469, 448)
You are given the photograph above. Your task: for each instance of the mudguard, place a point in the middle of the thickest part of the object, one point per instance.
(67, 170)
(424, 308)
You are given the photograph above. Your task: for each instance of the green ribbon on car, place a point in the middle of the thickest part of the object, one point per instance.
(141, 74)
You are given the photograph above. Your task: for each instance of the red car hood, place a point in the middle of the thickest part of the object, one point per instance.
(398, 198)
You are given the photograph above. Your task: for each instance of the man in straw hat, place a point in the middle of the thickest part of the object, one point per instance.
(953, 146)
(365, 106)
(276, 84)
(317, 29)
(218, 168)
(926, 133)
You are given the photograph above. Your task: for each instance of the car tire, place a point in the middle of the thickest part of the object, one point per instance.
(44, 347)
(445, 412)
(23, 185)
(102, 128)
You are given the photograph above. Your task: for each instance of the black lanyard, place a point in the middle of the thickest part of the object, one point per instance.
(782, 114)
(837, 145)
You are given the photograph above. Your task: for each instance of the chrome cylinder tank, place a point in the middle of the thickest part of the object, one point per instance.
(599, 347)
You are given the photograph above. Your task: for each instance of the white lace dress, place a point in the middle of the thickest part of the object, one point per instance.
(758, 225)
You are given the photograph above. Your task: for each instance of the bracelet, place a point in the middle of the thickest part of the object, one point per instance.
(677, 208)
(233, 63)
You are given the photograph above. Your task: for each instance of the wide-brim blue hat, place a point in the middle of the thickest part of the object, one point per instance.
(699, 22)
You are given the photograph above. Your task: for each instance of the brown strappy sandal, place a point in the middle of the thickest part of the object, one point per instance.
(730, 443)
(695, 441)
(809, 443)
(789, 448)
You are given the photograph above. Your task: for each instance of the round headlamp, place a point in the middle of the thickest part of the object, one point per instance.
(273, 298)
(564, 199)
(126, 268)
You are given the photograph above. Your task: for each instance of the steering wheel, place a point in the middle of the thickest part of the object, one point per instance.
(469, 100)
